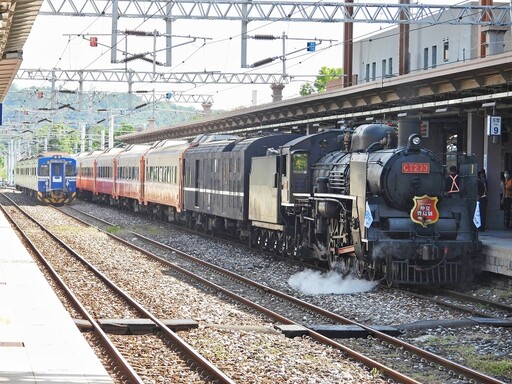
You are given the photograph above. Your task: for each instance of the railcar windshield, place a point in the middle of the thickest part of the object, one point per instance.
(70, 170)
(56, 170)
(44, 170)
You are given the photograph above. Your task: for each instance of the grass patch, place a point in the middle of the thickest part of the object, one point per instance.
(501, 367)
(114, 229)
(491, 365)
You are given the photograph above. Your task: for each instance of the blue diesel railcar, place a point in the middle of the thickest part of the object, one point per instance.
(50, 176)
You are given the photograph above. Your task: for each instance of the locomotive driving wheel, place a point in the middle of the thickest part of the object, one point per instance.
(333, 261)
(389, 271)
(374, 271)
(346, 266)
(360, 267)
(332, 246)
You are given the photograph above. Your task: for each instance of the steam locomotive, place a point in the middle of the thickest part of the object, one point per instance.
(380, 208)
(368, 199)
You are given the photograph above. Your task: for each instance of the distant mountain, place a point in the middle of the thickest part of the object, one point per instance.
(35, 106)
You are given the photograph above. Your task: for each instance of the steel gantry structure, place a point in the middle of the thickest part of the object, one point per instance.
(131, 77)
(304, 11)
(484, 14)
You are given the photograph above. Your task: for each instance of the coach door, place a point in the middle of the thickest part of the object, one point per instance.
(56, 175)
(196, 186)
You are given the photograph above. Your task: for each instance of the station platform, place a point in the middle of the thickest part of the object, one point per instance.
(39, 342)
(497, 251)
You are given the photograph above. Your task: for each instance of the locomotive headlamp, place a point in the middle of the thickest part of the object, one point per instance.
(416, 140)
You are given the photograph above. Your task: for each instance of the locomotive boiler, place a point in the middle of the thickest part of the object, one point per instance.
(379, 207)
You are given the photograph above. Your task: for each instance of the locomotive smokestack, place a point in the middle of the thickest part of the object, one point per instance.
(407, 127)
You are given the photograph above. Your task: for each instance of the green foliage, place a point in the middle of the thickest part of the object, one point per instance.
(324, 75)
(306, 89)
(62, 133)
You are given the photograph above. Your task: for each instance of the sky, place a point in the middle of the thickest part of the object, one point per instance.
(59, 42)
(64, 49)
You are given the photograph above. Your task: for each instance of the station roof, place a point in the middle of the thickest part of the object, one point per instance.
(17, 19)
(441, 93)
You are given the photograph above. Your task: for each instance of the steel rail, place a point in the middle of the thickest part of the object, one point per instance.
(468, 372)
(124, 365)
(182, 344)
(477, 299)
(314, 335)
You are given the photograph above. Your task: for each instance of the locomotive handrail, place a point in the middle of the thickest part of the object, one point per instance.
(316, 196)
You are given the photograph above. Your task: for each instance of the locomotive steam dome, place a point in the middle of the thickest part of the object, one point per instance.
(368, 134)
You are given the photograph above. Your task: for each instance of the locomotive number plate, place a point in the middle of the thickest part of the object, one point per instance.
(415, 167)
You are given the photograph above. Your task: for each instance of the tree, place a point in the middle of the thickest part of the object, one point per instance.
(324, 75)
(124, 129)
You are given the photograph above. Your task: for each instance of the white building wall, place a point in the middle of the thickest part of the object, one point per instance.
(376, 57)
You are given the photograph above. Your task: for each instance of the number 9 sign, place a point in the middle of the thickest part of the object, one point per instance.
(493, 125)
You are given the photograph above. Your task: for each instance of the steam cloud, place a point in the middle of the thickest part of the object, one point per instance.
(316, 283)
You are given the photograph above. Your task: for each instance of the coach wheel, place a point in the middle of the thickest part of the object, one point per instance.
(274, 242)
(266, 241)
(280, 244)
(259, 240)
(288, 246)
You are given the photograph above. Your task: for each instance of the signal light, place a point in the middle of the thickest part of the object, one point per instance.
(93, 41)
(311, 46)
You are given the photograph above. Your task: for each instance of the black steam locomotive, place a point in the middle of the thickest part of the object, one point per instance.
(376, 205)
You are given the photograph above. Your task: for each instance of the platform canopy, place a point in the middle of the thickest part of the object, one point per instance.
(17, 18)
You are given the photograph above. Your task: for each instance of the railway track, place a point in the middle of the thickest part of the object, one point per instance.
(316, 316)
(63, 263)
(463, 302)
(382, 344)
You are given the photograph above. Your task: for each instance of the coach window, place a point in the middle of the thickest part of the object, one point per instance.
(225, 169)
(300, 163)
